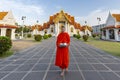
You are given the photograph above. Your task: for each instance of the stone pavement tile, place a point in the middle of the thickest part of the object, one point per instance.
(54, 75)
(77, 55)
(15, 76)
(81, 60)
(25, 67)
(93, 61)
(109, 76)
(114, 67)
(85, 67)
(108, 60)
(53, 67)
(73, 75)
(40, 67)
(31, 61)
(6, 62)
(1, 66)
(73, 67)
(35, 76)
(91, 75)
(2, 74)
(9, 68)
(88, 56)
(118, 73)
(100, 67)
(44, 60)
(19, 62)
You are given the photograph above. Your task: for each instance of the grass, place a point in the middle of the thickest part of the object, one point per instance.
(7, 54)
(107, 46)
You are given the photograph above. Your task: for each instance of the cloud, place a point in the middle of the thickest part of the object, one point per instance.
(20, 9)
(91, 18)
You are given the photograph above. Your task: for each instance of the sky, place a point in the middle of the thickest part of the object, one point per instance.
(82, 10)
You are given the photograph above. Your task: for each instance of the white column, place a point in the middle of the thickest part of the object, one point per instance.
(55, 29)
(107, 34)
(13, 34)
(58, 28)
(116, 34)
(3, 31)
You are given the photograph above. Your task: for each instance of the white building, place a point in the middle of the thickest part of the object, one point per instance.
(97, 28)
(53, 26)
(7, 24)
(112, 29)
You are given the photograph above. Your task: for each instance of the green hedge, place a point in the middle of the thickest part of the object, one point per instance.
(85, 37)
(49, 35)
(94, 35)
(5, 44)
(29, 35)
(38, 37)
(45, 36)
(78, 36)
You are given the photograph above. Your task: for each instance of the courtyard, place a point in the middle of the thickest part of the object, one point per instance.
(37, 63)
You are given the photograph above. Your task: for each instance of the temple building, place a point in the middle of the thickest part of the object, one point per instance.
(112, 29)
(53, 26)
(7, 25)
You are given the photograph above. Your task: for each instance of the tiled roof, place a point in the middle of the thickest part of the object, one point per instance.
(70, 19)
(117, 17)
(2, 15)
(39, 27)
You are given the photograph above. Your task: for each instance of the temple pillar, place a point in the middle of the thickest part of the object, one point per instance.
(13, 34)
(116, 34)
(107, 34)
(3, 31)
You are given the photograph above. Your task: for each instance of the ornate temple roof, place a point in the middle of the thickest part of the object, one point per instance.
(61, 16)
(2, 15)
(117, 17)
(39, 27)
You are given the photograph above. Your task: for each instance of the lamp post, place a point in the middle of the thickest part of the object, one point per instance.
(37, 27)
(99, 19)
(23, 20)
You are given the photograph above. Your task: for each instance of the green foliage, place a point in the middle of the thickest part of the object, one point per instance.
(78, 36)
(29, 35)
(74, 35)
(45, 36)
(85, 37)
(38, 37)
(5, 44)
(94, 35)
(49, 35)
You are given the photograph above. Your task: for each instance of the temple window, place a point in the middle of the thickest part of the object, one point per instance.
(52, 29)
(45, 31)
(71, 29)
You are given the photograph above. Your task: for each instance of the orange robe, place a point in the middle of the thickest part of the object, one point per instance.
(62, 53)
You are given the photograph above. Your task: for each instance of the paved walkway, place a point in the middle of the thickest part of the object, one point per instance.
(37, 63)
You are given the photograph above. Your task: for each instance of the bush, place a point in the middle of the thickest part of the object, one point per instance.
(74, 35)
(85, 37)
(94, 35)
(78, 36)
(49, 35)
(45, 36)
(29, 35)
(5, 44)
(38, 37)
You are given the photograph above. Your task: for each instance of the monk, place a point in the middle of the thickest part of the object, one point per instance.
(62, 52)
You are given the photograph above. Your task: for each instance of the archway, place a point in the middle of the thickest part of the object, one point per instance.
(111, 34)
(8, 33)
